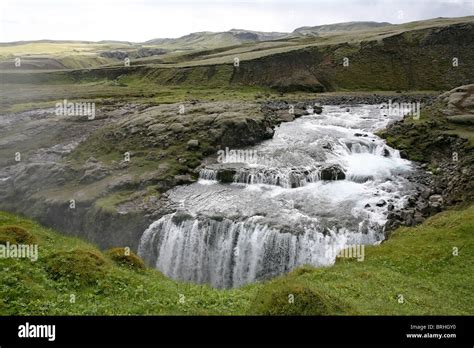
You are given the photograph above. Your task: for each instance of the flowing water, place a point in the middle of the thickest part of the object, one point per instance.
(281, 211)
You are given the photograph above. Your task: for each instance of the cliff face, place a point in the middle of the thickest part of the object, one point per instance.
(442, 139)
(429, 59)
(73, 174)
(435, 58)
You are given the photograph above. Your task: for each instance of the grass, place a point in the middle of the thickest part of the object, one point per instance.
(110, 203)
(19, 97)
(417, 263)
(72, 277)
(57, 55)
(48, 48)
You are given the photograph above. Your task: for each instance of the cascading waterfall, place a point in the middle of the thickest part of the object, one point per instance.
(208, 174)
(281, 213)
(227, 253)
(289, 178)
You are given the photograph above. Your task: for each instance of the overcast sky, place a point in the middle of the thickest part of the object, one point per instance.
(141, 20)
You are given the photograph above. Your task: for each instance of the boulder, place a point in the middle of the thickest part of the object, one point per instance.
(285, 115)
(300, 112)
(418, 217)
(193, 144)
(333, 172)
(423, 207)
(225, 171)
(176, 127)
(157, 128)
(381, 203)
(425, 193)
(94, 172)
(435, 199)
(226, 175)
(406, 214)
(435, 202)
(183, 179)
(269, 132)
(317, 109)
(403, 154)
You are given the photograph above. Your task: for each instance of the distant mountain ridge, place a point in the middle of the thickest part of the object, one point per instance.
(339, 27)
(239, 36)
(214, 39)
(209, 39)
(211, 48)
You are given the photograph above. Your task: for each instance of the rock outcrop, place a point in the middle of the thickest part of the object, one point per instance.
(442, 147)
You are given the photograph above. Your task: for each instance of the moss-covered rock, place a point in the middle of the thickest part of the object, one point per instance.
(83, 267)
(444, 143)
(15, 235)
(287, 297)
(125, 258)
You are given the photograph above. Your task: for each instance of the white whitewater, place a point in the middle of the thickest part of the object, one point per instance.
(279, 214)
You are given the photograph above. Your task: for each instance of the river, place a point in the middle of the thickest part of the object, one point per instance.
(282, 210)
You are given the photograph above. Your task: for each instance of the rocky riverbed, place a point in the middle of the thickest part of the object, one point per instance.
(73, 173)
(103, 179)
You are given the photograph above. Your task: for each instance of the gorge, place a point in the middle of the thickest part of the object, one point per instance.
(280, 212)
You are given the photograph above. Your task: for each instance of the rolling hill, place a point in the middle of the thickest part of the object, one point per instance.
(339, 27)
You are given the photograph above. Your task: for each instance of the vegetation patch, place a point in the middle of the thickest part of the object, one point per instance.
(430, 266)
(15, 235)
(290, 297)
(467, 119)
(110, 202)
(126, 258)
(81, 267)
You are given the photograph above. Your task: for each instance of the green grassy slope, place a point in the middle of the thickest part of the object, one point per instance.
(416, 263)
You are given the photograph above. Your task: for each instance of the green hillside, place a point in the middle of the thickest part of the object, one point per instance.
(415, 272)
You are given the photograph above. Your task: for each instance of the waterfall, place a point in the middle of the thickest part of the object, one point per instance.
(323, 179)
(287, 178)
(284, 177)
(228, 254)
(208, 174)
